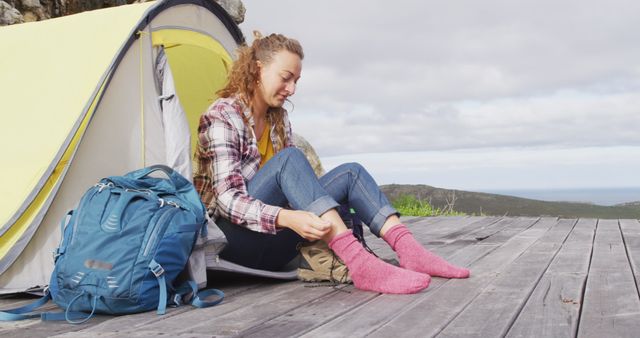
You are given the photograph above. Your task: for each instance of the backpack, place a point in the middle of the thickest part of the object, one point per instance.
(123, 248)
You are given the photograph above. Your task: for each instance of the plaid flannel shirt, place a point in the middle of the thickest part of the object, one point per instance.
(226, 159)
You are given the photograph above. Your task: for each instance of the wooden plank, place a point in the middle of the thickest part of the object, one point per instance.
(493, 231)
(450, 225)
(554, 307)
(37, 328)
(611, 307)
(496, 307)
(249, 310)
(29, 327)
(631, 236)
(370, 316)
(490, 235)
(185, 317)
(259, 311)
(33, 328)
(445, 225)
(132, 334)
(148, 319)
(299, 321)
(428, 316)
(478, 224)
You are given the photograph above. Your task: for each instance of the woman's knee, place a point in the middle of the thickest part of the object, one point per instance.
(353, 167)
(292, 152)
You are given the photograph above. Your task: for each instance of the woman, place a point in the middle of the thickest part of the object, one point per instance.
(265, 196)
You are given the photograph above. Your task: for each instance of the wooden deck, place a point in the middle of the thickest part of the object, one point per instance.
(531, 277)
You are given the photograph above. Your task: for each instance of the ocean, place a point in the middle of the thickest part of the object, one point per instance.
(599, 196)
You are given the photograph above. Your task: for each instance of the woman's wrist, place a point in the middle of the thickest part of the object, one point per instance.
(282, 218)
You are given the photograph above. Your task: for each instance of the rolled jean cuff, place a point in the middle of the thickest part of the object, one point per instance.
(380, 218)
(322, 205)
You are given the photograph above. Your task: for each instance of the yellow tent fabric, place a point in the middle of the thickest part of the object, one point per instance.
(79, 103)
(196, 86)
(13, 234)
(47, 102)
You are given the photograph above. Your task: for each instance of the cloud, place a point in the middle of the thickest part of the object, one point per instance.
(422, 76)
(566, 118)
(495, 169)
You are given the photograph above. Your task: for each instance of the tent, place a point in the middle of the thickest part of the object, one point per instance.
(93, 95)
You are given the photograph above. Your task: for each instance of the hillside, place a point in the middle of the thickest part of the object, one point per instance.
(499, 205)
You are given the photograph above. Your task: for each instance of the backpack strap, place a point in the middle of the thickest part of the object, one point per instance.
(72, 317)
(25, 312)
(198, 298)
(199, 302)
(178, 180)
(158, 271)
(182, 186)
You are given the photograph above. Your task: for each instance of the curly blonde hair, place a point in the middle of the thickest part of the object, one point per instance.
(245, 73)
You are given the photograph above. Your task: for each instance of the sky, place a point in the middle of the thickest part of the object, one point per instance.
(472, 95)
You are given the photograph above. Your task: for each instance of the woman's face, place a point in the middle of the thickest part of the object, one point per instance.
(278, 78)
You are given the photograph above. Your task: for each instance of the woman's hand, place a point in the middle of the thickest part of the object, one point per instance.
(304, 223)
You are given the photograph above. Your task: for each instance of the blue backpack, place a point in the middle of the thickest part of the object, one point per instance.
(124, 247)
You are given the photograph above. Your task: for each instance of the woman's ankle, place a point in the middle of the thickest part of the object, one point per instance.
(369, 272)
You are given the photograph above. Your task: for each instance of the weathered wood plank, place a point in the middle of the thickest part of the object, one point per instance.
(487, 231)
(262, 309)
(183, 319)
(430, 314)
(554, 307)
(29, 327)
(631, 236)
(450, 226)
(133, 334)
(506, 255)
(496, 307)
(443, 226)
(368, 317)
(36, 328)
(324, 311)
(611, 307)
(300, 320)
(478, 224)
(493, 235)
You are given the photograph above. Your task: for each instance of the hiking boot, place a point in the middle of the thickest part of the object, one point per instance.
(318, 264)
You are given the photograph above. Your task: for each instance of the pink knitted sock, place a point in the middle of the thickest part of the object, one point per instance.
(414, 256)
(371, 273)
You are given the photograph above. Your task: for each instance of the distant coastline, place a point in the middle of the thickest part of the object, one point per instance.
(598, 196)
(505, 203)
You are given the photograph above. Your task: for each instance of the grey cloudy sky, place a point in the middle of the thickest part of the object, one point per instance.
(507, 92)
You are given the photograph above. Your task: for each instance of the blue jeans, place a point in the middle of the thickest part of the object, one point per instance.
(287, 180)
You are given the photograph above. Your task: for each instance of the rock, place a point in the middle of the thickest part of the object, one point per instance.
(307, 149)
(31, 4)
(9, 15)
(18, 11)
(235, 8)
(30, 16)
(33, 10)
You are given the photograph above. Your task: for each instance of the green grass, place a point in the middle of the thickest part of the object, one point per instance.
(409, 205)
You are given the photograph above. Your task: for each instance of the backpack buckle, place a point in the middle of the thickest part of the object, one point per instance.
(174, 204)
(101, 186)
(156, 268)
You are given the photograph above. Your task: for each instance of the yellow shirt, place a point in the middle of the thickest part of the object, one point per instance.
(265, 146)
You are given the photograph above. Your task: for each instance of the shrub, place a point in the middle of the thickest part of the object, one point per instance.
(409, 205)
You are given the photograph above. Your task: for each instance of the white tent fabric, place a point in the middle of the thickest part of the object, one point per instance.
(177, 138)
(121, 127)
